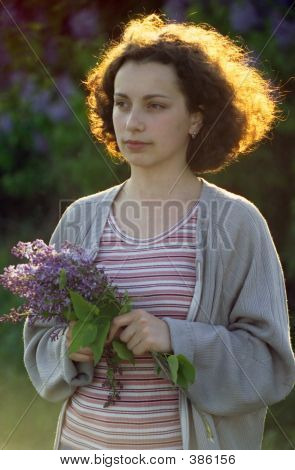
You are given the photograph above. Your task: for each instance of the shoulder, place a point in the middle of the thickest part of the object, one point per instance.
(96, 198)
(87, 206)
(235, 225)
(234, 210)
(77, 218)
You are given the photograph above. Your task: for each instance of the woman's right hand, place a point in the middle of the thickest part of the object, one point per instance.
(84, 354)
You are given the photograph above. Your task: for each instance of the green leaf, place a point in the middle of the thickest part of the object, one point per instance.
(83, 335)
(69, 315)
(116, 359)
(112, 309)
(46, 314)
(181, 379)
(62, 278)
(127, 304)
(83, 309)
(89, 333)
(186, 372)
(173, 366)
(98, 345)
(122, 350)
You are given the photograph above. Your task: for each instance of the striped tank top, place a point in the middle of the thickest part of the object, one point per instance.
(159, 274)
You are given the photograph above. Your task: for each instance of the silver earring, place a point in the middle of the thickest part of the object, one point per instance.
(193, 134)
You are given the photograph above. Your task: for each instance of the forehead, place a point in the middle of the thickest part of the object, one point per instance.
(138, 78)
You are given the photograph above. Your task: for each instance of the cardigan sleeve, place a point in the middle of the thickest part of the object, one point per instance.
(54, 376)
(248, 363)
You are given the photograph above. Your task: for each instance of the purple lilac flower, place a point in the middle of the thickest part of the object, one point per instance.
(40, 143)
(17, 77)
(40, 100)
(285, 32)
(243, 17)
(84, 23)
(10, 15)
(51, 50)
(14, 316)
(65, 85)
(28, 87)
(58, 110)
(6, 123)
(286, 3)
(38, 281)
(176, 9)
(37, 98)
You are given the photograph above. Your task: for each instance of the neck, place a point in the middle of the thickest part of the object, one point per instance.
(163, 187)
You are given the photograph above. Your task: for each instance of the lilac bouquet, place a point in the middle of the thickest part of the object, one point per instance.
(67, 286)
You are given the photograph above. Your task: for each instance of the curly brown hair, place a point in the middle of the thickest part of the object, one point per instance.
(238, 104)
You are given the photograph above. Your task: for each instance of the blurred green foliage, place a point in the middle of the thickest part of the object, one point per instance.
(48, 156)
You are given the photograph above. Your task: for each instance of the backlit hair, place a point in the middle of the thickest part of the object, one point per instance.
(239, 104)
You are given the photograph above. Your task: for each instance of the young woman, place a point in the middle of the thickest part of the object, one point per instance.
(175, 101)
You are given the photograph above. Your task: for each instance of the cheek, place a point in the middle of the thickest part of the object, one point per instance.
(173, 131)
(115, 120)
(118, 120)
(172, 122)
(162, 127)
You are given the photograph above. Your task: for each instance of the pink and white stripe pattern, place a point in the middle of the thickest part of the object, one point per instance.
(160, 276)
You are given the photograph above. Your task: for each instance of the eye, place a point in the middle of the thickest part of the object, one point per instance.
(157, 104)
(118, 103)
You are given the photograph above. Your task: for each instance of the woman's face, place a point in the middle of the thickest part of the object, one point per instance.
(161, 121)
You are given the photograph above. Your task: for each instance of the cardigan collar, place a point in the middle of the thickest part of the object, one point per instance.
(101, 203)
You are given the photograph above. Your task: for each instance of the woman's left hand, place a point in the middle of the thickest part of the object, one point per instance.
(143, 333)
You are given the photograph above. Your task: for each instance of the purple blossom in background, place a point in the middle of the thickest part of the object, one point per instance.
(27, 87)
(10, 14)
(50, 52)
(85, 23)
(37, 98)
(243, 17)
(6, 123)
(65, 85)
(286, 3)
(176, 9)
(58, 111)
(285, 34)
(224, 2)
(40, 17)
(17, 77)
(40, 100)
(38, 281)
(40, 144)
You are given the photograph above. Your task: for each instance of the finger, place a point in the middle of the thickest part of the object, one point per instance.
(115, 333)
(80, 357)
(71, 325)
(122, 320)
(119, 322)
(82, 352)
(85, 351)
(69, 333)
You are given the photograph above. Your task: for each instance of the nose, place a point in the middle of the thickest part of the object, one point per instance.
(134, 121)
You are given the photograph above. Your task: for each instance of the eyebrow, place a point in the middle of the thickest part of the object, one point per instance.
(145, 97)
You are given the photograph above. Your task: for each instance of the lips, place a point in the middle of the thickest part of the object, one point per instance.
(135, 142)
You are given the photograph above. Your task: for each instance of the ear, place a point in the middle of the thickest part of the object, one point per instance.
(196, 122)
